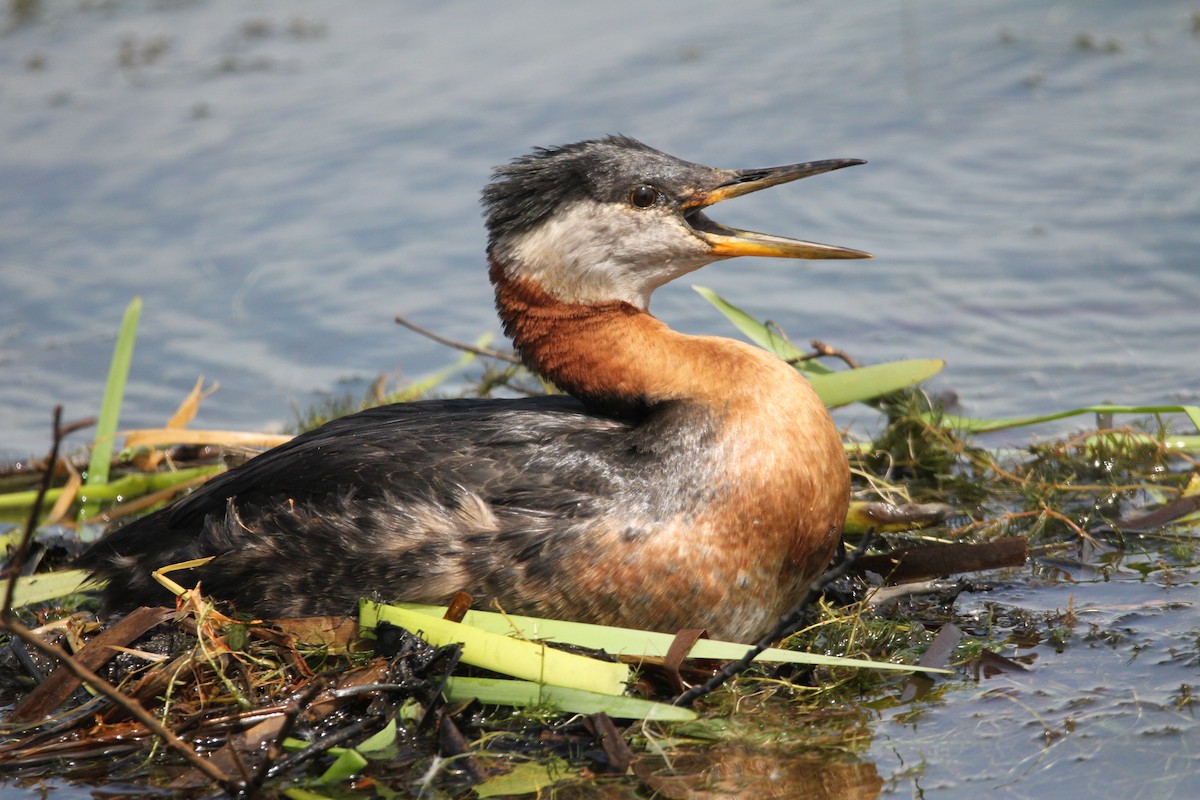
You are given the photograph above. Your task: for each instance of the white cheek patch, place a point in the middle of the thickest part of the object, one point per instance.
(599, 252)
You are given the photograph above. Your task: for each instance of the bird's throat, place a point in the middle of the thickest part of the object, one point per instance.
(611, 355)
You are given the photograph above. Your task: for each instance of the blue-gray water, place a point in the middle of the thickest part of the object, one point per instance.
(278, 180)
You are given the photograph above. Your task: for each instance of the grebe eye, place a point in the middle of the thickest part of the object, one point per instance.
(643, 196)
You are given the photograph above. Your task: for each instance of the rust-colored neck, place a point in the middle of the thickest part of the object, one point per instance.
(603, 353)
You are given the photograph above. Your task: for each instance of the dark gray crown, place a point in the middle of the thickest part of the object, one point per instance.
(527, 191)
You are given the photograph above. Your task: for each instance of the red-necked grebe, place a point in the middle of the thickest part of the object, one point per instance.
(686, 481)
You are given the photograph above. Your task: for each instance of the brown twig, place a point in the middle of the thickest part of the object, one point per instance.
(134, 708)
(823, 350)
(820, 349)
(469, 348)
(17, 565)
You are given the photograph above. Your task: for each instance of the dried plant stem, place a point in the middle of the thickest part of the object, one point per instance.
(17, 564)
(469, 348)
(822, 350)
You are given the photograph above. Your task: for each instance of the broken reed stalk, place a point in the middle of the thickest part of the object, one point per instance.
(788, 624)
(469, 348)
(820, 350)
(17, 565)
(10, 623)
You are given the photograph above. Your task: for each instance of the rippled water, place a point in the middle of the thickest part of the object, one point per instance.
(1104, 711)
(277, 181)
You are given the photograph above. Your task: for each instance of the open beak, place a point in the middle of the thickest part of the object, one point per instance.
(729, 242)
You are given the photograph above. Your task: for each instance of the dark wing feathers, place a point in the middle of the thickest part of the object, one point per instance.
(418, 450)
(387, 484)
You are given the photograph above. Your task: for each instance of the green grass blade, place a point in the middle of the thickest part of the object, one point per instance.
(981, 425)
(635, 643)
(295, 793)
(868, 383)
(126, 488)
(110, 407)
(381, 740)
(348, 764)
(49, 586)
(521, 659)
(526, 779)
(527, 694)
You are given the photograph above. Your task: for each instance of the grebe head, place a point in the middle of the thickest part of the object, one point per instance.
(613, 219)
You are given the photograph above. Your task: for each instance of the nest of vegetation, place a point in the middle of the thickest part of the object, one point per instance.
(186, 700)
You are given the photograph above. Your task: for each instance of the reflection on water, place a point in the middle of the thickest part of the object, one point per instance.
(743, 774)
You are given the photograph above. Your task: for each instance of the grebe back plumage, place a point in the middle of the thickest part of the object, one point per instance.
(687, 481)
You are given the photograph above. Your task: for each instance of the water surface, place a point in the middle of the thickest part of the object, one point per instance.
(278, 181)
